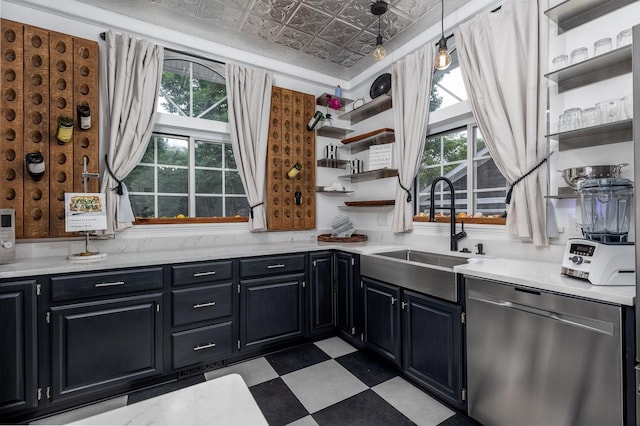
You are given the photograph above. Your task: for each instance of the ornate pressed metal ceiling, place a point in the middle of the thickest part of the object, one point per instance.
(331, 36)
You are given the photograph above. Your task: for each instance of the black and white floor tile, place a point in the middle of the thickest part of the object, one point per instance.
(323, 383)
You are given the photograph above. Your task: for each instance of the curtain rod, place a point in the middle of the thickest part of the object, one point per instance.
(103, 36)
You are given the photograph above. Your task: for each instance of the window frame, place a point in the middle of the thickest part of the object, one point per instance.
(193, 129)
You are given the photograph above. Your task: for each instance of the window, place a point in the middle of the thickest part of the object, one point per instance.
(188, 169)
(447, 87)
(452, 154)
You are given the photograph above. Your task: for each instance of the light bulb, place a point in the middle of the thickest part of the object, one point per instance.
(443, 59)
(379, 52)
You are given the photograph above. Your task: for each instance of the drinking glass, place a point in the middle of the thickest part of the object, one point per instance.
(579, 54)
(563, 123)
(560, 61)
(627, 106)
(574, 118)
(601, 46)
(624, 37)
(609, 110)
(591, 117)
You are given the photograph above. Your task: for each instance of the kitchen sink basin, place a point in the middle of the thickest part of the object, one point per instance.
(424, 272)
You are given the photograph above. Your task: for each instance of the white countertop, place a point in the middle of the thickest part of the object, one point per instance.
(222, 401)
(540, 275)
(545, 276)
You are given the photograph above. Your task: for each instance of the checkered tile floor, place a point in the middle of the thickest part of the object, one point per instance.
(323, 383)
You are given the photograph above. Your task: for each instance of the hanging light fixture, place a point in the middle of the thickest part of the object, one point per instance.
(379, 8)
(443, 59)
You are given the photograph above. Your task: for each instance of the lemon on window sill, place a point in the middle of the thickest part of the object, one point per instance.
(180, 216)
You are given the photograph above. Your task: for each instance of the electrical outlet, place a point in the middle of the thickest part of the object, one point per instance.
(382, 220)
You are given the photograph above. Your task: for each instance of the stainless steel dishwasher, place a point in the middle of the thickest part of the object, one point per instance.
(537, 358)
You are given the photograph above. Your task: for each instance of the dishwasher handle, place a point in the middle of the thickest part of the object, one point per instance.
(586, 323)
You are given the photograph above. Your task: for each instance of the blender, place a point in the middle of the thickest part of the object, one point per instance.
(604, 256)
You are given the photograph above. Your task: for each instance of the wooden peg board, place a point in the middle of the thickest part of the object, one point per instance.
(11, 112)
(45, 75)
(290, 142)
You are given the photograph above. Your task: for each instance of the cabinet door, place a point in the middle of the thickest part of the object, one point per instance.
(271, 310)
(18, 355)
(96, 345)
(321, 292)
(382, 319)
(432, 345)
(344, 290)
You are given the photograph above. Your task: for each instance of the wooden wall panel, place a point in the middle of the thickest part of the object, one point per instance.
(36, 129)
(86, 92)
(289, 143)
(60, 103)
(45, 75)
(11, 119)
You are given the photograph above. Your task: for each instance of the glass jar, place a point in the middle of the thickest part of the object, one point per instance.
(64, 133)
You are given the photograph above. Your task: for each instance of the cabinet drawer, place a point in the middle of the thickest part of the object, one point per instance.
(271, 265)
(67, 287)
(201, 304)
(202, 272)
(202, 344)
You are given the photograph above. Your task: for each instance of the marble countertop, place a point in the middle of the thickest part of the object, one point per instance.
(540, 275)
(222, 401)
(545, 276)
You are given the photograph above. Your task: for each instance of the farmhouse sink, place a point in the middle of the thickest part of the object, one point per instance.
(425, 272)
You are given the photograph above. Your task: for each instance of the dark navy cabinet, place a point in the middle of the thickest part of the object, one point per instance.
(100, 344)
(432, 345)
(382, 319)
(18, 354)
(321, 293)
(349, 297)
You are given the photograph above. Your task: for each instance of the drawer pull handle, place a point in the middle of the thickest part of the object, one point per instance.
(279, 265)
(203, 305)
(207, 346)
(111, 284)
(203, 274)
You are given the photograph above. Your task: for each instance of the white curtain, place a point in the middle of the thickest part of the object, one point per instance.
(249, 100)
(500, 57)
(410, 91)
(134, 73)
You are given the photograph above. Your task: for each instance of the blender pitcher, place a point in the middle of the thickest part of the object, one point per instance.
(606, 205)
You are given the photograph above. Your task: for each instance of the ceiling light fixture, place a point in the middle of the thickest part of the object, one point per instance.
(443, 59)
(379, 8)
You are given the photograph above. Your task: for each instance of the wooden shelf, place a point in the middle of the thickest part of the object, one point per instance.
(322, 100)
(608, 65)
(603, 134)
(332, 163)
(369, 209)
(321, 190)
(363, 142)
(370, 203)
(371, 175)
(572, 13)
(333, 132)
(376, 106)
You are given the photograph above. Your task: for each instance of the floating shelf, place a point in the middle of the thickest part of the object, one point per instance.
(608, 65)
(376, 106)
(371, 175)
(322, 100)
(603, 134)
(371, 209)
(362, 142)
(332, 163)
(320, 190)
(333, 132)
(370, 203)
(572, 13)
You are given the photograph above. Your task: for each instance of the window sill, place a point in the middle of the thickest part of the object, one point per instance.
(189, 220)
(467, 220)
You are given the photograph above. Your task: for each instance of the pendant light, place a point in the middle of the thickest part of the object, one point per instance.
(443, 59)
(378, 9)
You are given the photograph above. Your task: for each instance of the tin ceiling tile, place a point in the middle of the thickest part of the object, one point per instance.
(320, 48)
(293, 38)
(225, 15)
(363, 44)
(309, 20)
(338, 32)
(345, 58)
(275, 10)
(358, 13)
(332, 7)
(261, 27)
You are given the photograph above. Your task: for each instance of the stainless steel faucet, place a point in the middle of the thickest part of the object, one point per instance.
(455, 237)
